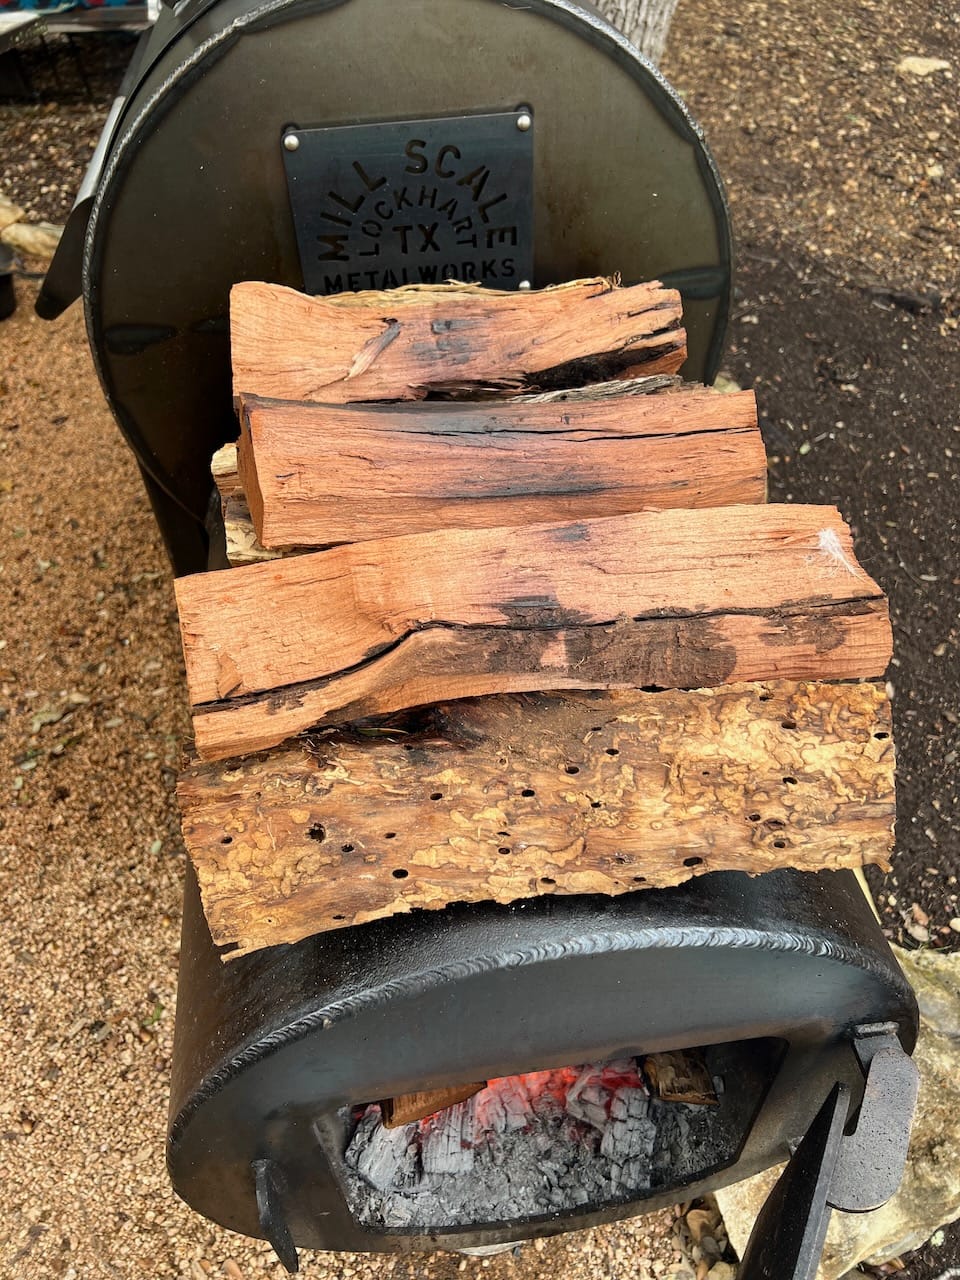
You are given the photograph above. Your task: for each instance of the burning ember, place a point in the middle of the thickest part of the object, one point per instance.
(522, 1146)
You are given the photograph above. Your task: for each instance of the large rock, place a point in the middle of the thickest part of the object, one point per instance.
(929, 1196)
(9, 212)
(37, 240)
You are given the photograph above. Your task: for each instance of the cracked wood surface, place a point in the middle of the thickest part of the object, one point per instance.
(314, 475)
(834, 642)
(751, 591)
(508, 797)
(244, 547)
(448, 339)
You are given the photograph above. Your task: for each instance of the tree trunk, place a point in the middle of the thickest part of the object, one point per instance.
(646, 23)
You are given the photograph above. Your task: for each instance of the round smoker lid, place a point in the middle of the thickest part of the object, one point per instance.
(194, 195)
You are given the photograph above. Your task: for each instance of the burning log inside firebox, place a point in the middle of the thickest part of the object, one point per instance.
(417, 1106)
(680, 1076)
(543, 1142)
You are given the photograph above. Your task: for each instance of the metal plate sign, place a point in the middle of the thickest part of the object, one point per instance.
(416, 202)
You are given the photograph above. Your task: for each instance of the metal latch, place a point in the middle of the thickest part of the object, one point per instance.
(829, 1170)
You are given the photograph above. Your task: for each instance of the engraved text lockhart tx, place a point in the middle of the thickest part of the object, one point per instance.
(416, 202)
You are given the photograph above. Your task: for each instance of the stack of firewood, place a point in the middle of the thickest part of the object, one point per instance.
(443, 493)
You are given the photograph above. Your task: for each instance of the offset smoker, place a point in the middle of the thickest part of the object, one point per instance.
(358, 143)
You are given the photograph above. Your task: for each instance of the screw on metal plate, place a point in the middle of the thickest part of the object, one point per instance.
(291, 142)
(524, 121)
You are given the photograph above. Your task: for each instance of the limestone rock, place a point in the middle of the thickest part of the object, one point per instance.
(929, 1196)
(38, 240)
(9, 212)
(913, 66)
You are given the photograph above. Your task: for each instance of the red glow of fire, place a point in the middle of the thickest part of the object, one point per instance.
(559, 1082)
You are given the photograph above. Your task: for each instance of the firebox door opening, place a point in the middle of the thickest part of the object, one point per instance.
(555, 1143)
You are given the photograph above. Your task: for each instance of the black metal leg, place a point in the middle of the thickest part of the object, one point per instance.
(828, 1171)
(787, 1238)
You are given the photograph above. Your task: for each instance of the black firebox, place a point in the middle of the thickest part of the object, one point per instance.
(283, 1057)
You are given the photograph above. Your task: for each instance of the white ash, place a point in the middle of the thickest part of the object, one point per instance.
(532, 1145)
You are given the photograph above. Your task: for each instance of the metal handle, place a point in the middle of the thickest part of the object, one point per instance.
(828, 1170)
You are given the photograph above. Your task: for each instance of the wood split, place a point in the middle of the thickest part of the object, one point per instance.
(502, 798)
(516, 588)
(450, 339)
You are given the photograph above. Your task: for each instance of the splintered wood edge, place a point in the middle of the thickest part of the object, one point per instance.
(795, 775)
(371, 364)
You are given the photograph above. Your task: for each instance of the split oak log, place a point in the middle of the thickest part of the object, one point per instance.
(244, 547)
(672, 599)
(448, 339)
(507, 798)
(315, 475)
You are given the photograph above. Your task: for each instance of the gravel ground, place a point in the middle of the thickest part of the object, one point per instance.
(47, 144)
(845, 322)
(822, 140)
(843, 177)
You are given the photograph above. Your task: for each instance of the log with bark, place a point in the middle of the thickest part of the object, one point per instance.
(512, 797)
(455, 339)
(314, 475)
(672, 599)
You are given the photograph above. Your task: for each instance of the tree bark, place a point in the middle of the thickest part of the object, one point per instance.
(645, 23)
(513, 797)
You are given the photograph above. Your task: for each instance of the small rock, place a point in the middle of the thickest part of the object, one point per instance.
(725, 384)
(722, 1271)
(36, 241)
(700, 1222)
(913, 66)
(9, 212)
(954, 924)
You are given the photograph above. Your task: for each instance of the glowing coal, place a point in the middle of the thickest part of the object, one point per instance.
(543, 1143)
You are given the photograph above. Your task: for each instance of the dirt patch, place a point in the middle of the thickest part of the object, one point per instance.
(822, 139)
(47, 142)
